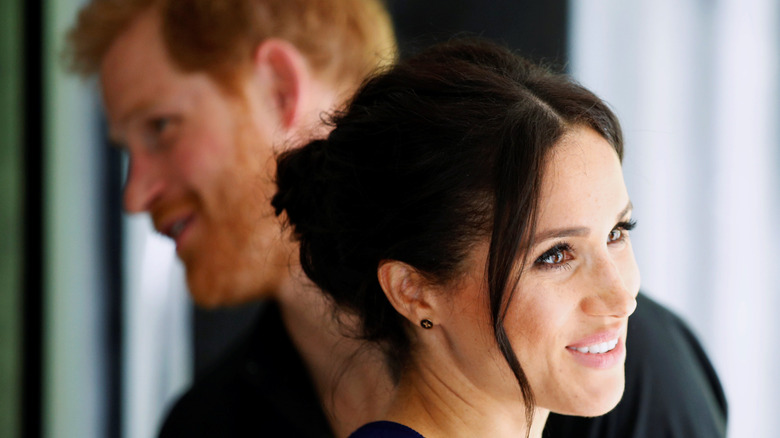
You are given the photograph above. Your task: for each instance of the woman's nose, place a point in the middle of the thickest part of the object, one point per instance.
(609, 294)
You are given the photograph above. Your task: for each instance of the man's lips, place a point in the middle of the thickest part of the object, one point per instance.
(175, 227)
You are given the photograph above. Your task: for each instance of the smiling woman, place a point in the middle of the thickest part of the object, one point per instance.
(469, 208)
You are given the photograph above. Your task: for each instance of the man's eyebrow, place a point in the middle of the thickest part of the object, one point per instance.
(576, 231)
(137, 110)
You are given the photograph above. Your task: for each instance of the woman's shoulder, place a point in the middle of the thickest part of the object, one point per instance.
(385, 429)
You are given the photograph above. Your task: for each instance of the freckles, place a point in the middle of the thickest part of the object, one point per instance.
(530, 311)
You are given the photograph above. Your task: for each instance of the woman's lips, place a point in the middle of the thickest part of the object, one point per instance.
(598, 348)
(601, 350)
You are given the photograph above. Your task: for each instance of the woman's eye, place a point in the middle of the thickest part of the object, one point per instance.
(620, 232)
(615, 235)
(555, 257)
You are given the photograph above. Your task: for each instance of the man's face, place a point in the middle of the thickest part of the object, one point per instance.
(201, 165)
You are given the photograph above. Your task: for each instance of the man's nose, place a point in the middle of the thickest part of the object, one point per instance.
(610, 295)
(145, 183)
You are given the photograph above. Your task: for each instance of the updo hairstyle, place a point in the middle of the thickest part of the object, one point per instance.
(441, 151)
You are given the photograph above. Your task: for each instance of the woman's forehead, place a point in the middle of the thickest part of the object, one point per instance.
(582, 180)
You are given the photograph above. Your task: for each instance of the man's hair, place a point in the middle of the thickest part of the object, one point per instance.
(343, 40)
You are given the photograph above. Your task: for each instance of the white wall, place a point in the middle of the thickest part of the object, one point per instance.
(156, 321)
(157, 329)
(74, 363)
(695, 84)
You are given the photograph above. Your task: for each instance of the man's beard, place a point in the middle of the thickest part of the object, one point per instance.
(242, 255)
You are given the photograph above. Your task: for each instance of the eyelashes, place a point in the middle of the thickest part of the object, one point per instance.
(559, 256)
(626, 225)
(619, 233)
(556, 257)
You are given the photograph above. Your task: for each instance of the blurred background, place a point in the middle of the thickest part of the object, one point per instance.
(97, 334)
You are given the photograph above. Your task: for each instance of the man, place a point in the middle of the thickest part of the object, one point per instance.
(200, 93)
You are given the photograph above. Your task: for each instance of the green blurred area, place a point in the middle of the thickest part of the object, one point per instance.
(11, 190)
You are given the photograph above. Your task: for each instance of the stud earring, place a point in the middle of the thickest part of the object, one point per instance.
(426, 323)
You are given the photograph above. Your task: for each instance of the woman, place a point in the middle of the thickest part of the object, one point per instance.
(469, 209)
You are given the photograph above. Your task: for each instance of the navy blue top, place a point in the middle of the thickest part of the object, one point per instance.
(385, 429)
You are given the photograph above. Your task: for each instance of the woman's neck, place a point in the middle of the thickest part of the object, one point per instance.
(351, 380)
(438, 404)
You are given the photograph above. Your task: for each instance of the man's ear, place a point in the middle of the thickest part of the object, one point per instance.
(284, 73)
(407, 290)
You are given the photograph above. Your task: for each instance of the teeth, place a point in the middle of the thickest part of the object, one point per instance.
(177, 228)
(598, 348)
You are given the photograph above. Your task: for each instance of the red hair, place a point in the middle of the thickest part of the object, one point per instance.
(342, 40)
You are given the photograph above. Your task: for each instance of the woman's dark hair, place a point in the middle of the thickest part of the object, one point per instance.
(443, 150)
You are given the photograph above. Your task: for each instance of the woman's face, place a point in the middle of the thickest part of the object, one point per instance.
(567, 320)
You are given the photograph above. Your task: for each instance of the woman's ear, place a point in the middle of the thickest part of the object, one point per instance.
(407, 290)
(282, 71)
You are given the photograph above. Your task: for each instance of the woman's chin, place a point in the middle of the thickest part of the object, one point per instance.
(593, 402)
(602, 406)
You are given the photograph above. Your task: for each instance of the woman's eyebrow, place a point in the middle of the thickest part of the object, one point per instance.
(575, 231)
(561, 232)
(625, 211)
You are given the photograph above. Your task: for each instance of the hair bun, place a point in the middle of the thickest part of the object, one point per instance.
(299, 181)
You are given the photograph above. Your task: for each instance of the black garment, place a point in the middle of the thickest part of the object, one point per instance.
(262, 389)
